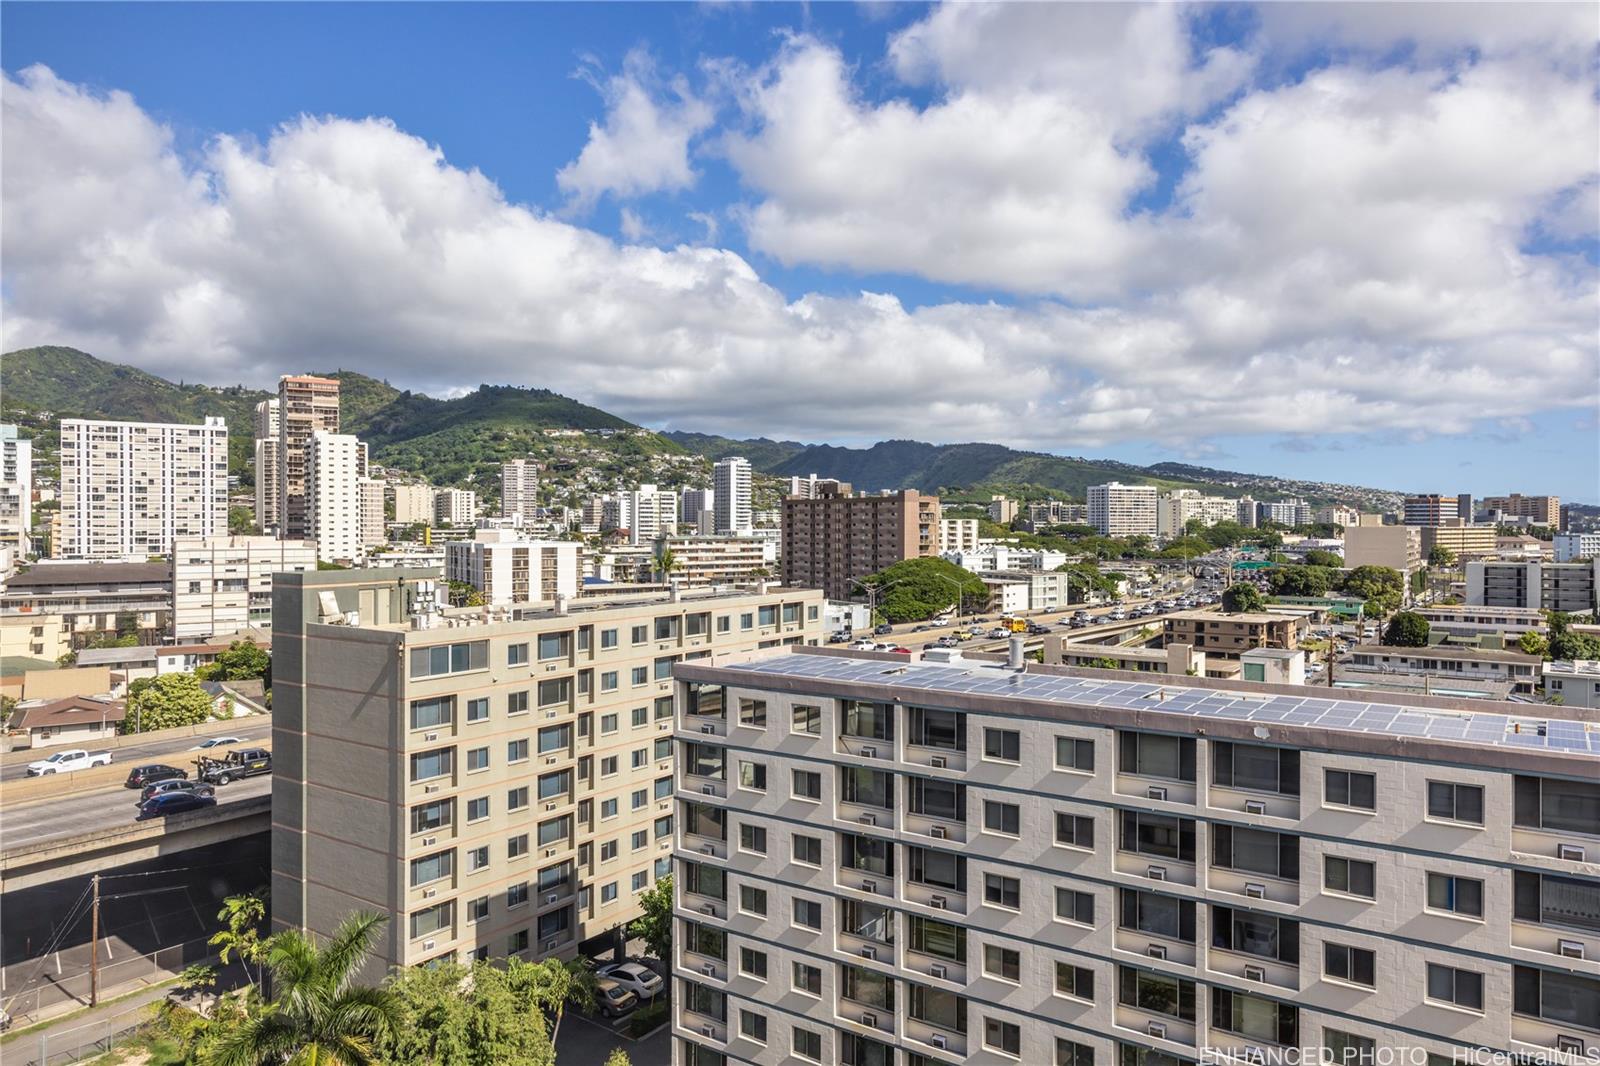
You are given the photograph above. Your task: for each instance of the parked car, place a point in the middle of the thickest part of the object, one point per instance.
(173, 803)
(176, 784)
(217, 742)
(633, 976)
(614, 1000)
(150, 773)
(68, 760)
(241, 762)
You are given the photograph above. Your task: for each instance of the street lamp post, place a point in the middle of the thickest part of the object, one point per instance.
(957, 584)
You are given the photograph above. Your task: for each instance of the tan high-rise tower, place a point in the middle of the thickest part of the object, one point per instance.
(306, 404)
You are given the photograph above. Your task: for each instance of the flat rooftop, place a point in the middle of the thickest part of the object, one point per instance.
(1388, 716)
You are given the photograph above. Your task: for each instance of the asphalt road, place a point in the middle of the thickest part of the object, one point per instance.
(180, 753)
(85, 812)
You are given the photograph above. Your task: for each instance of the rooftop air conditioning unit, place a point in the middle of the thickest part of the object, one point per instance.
(1255, 973)
(1255, 890)
(939, 832)
(868, 819)
(869, 952)
(1156, 792)
(1255, 806)
(1156, 873)
(1156, 951)
(938, 903)
(1574, 852)
(869, 752)
(869, 1019)
(937, 970)
(938, 762)
(1572, 949)
(937, 1040)
(1156, 1029)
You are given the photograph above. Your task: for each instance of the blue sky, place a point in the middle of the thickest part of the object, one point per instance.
(1138, 233)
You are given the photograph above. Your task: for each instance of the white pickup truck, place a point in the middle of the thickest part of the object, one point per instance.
(68, 760)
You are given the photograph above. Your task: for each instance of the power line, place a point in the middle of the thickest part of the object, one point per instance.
(54, 942)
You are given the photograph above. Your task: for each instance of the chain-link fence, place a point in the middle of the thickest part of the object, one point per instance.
(58, 1046)
(49, 995)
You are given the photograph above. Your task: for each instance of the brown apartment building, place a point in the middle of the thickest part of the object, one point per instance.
(498, 782)
(1228, 636)
(1541, 510)
(305, 405)
(833, 538)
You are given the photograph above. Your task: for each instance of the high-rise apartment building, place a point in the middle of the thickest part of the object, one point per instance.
(509, 568)
(336, 468)
(912, 863)
(267, 457)
(1289, 512)
(1434, 510)
(132, 488)
(222, 585)
(1002, 510)
(413, 504)
(455, 507)
(1176, 509)
(306, 405)
(730, 481)
(1337, 515)
(1541, 510)
(836, 538)
(698, 508)
(498, 783)
(1118, 510)
(16, 489)
(1460, 538)
(652, 513)
(519, 490)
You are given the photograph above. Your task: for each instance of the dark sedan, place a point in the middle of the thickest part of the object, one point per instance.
(174, 803)
(150, 773)
(176, 784)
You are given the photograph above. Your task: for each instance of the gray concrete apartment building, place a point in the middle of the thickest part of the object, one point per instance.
(893, 863)
(497, 781)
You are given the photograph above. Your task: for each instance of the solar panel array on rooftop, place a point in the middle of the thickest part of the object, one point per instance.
(1354, 716)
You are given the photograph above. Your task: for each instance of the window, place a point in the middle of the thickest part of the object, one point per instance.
(478, 909)
(639, 717)
(1258, 851)
(555, 645)
(517, 798)
(517, 846)
(1002, 1036)
(768, 615)
(431, 714)
(1075, 906)
(478, 709)
(517, 702)
(1255, 1017)
(1458, 895)
(1256, 767)
(807, 979)
(609, 723)
(638, 798)
(867, 720)
(808, 1042)
(639, 676)
(1350, 788)
(639, 757)
(753, 713)
(1464, 988)
(753, 775)
(554, 786)
(639, 840)
(442, 659)
(752, 838)
(753, 963)
(430, 816)
(1074, 981)
(806, 719)
(553, 691)
(663, 707)
(1002, 818)
(608, 808)
(555, 830)
(1353, 877)
(724, 623)
(808, 912)
(1557, 805)
(517, 750)
(517, 895)
(1074, 830)
(807, 850)
(1156, 914)
(1072, 1053)
(1342, 962)
(1455, 803)
(432, 867)
(608, 681)
(945, 730)
(1156, 993)
(608, 766)
(1159, 835)
(747, 621)
(608, 893)
(1253, 933)
(753, 1026)
(640, 634)
(807, 784)
(1561, 901)
(477, 808)
(1004, 963)
(1154, 755)
(752, 900)
(1347, 1049)
(1002, 744)
(1002, 891)
(432, 920)
(517, 655)
(555, 738)
(426, 765)
(478, 857)
(608, 639)
(1562, 998)
(1073, 753)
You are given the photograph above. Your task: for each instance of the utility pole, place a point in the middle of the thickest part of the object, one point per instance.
(94, 945)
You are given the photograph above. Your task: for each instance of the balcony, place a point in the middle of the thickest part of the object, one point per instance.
(866, 748)
(935, 828)
(1566, 852)
(935, 759)
(703, 847)
(1156, 791)
(1537, 1038)
(1253, 886)
(1158, 1028)
(1156, 947)
(864, 816)
(1156, 868)
(938, 902)
(1568, 945)
(935, 1042)
(705, 967)
(1254, 969)
(695, 787)
(1266, 805)
(703, 1028)
(866, 1019)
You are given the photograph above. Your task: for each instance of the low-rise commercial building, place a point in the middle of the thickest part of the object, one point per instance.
(96, 598)
(498, 783)
(223, 585)
(882, 861)
(1230, 635)
(1447, 662)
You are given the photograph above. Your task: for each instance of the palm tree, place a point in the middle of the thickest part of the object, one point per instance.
(243, 915)
(317, 1015)
(667, 563)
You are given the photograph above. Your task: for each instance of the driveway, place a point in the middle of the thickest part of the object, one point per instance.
(582, 1042)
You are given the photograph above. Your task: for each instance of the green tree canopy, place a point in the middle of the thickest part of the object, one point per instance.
(1092, 579)
(241, 521)
(1301, 580)
(1186, 547)
(654, 926)
(1441, 556)
(1407, 629)
(478, 1015)
(918, 589)
(1570, 645)
(1533, 643)
(1381, 586)
(168, 701)
(1237, 599)
(1318, 557)
(244, 660)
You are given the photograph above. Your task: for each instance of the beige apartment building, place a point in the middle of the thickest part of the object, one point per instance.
(306, 404)
(834, 538)
(222, 585)
(892, 863)
(719, 560)
(1397, 547)
(1462, 538)
(1541, 510)
(498, 782)
(1229, 636)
